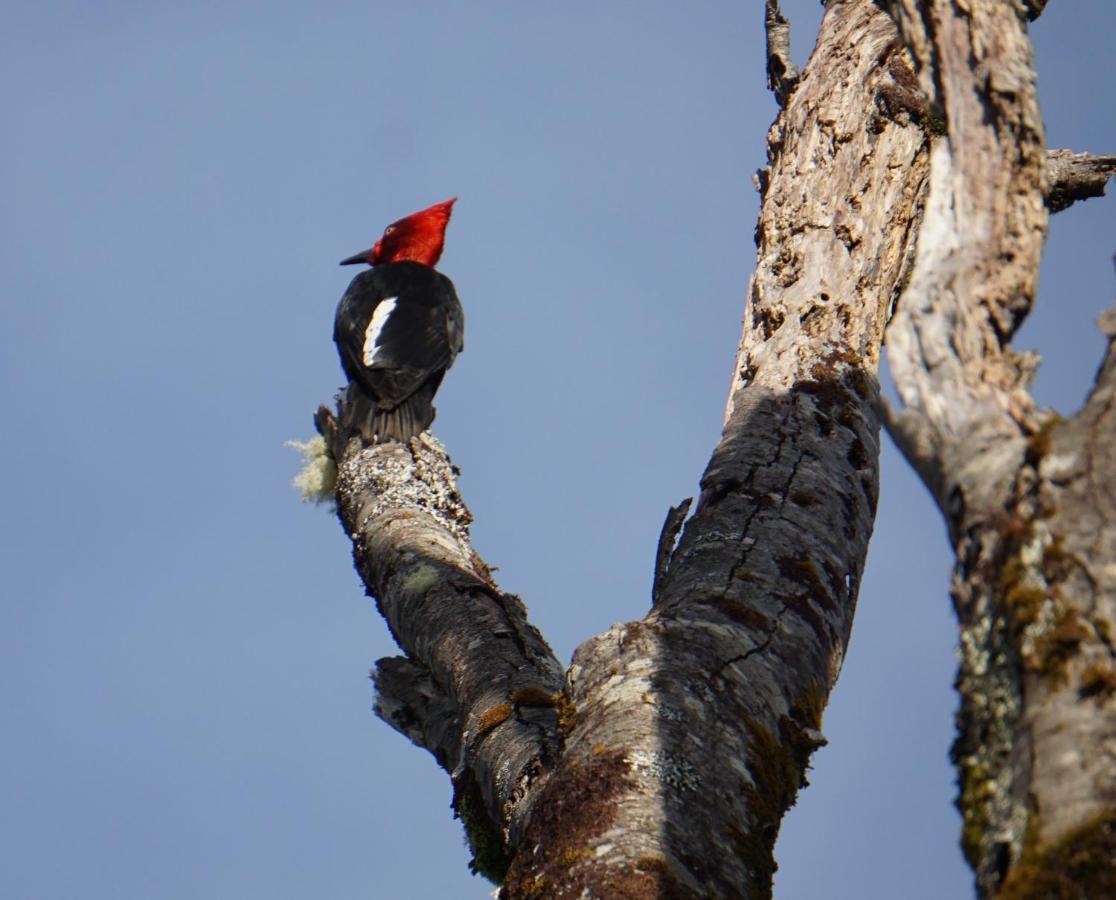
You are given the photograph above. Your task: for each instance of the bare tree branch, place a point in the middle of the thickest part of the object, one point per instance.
(1024, 493)
(412, 703)
(947, 340)
(782, 73)
(718, 692)
(474, 662)
(964, 391)
(1075, 176)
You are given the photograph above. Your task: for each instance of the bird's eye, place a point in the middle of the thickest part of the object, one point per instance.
(389, 230)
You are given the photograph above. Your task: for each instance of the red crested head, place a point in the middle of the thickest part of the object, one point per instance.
(418, 238)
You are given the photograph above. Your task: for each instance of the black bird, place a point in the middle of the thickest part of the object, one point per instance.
(399, 326)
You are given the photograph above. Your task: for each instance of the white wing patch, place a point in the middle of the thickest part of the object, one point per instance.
(376, 328)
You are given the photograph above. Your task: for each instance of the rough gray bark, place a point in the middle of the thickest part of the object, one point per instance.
(479, 687)
(1026, 495)
(1076, 176)
(905, 173)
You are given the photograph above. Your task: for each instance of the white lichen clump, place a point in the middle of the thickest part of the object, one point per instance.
(317, 481)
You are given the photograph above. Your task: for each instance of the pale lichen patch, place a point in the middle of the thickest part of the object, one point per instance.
(316, 482)
(422, 579)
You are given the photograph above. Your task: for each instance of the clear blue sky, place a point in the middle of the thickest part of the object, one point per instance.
(184, 647)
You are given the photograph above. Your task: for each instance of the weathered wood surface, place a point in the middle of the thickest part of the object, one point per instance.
(1076, 176)
(1026, 496)
(479, 686)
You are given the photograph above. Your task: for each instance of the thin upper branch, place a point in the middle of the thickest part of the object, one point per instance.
(1075, 176)
(782, 73)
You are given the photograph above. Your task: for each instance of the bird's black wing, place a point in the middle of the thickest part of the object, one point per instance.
(397, 327)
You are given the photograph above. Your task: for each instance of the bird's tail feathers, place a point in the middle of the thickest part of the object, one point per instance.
(360, 414)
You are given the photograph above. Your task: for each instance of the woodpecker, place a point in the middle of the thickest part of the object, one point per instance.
(399, 326)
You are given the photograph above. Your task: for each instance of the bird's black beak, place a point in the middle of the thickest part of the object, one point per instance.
(361, 257)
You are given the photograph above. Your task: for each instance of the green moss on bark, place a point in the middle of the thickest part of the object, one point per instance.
(1080, 864)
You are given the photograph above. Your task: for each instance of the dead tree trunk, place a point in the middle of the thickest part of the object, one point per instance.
(662, 762)
(1027, 497)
